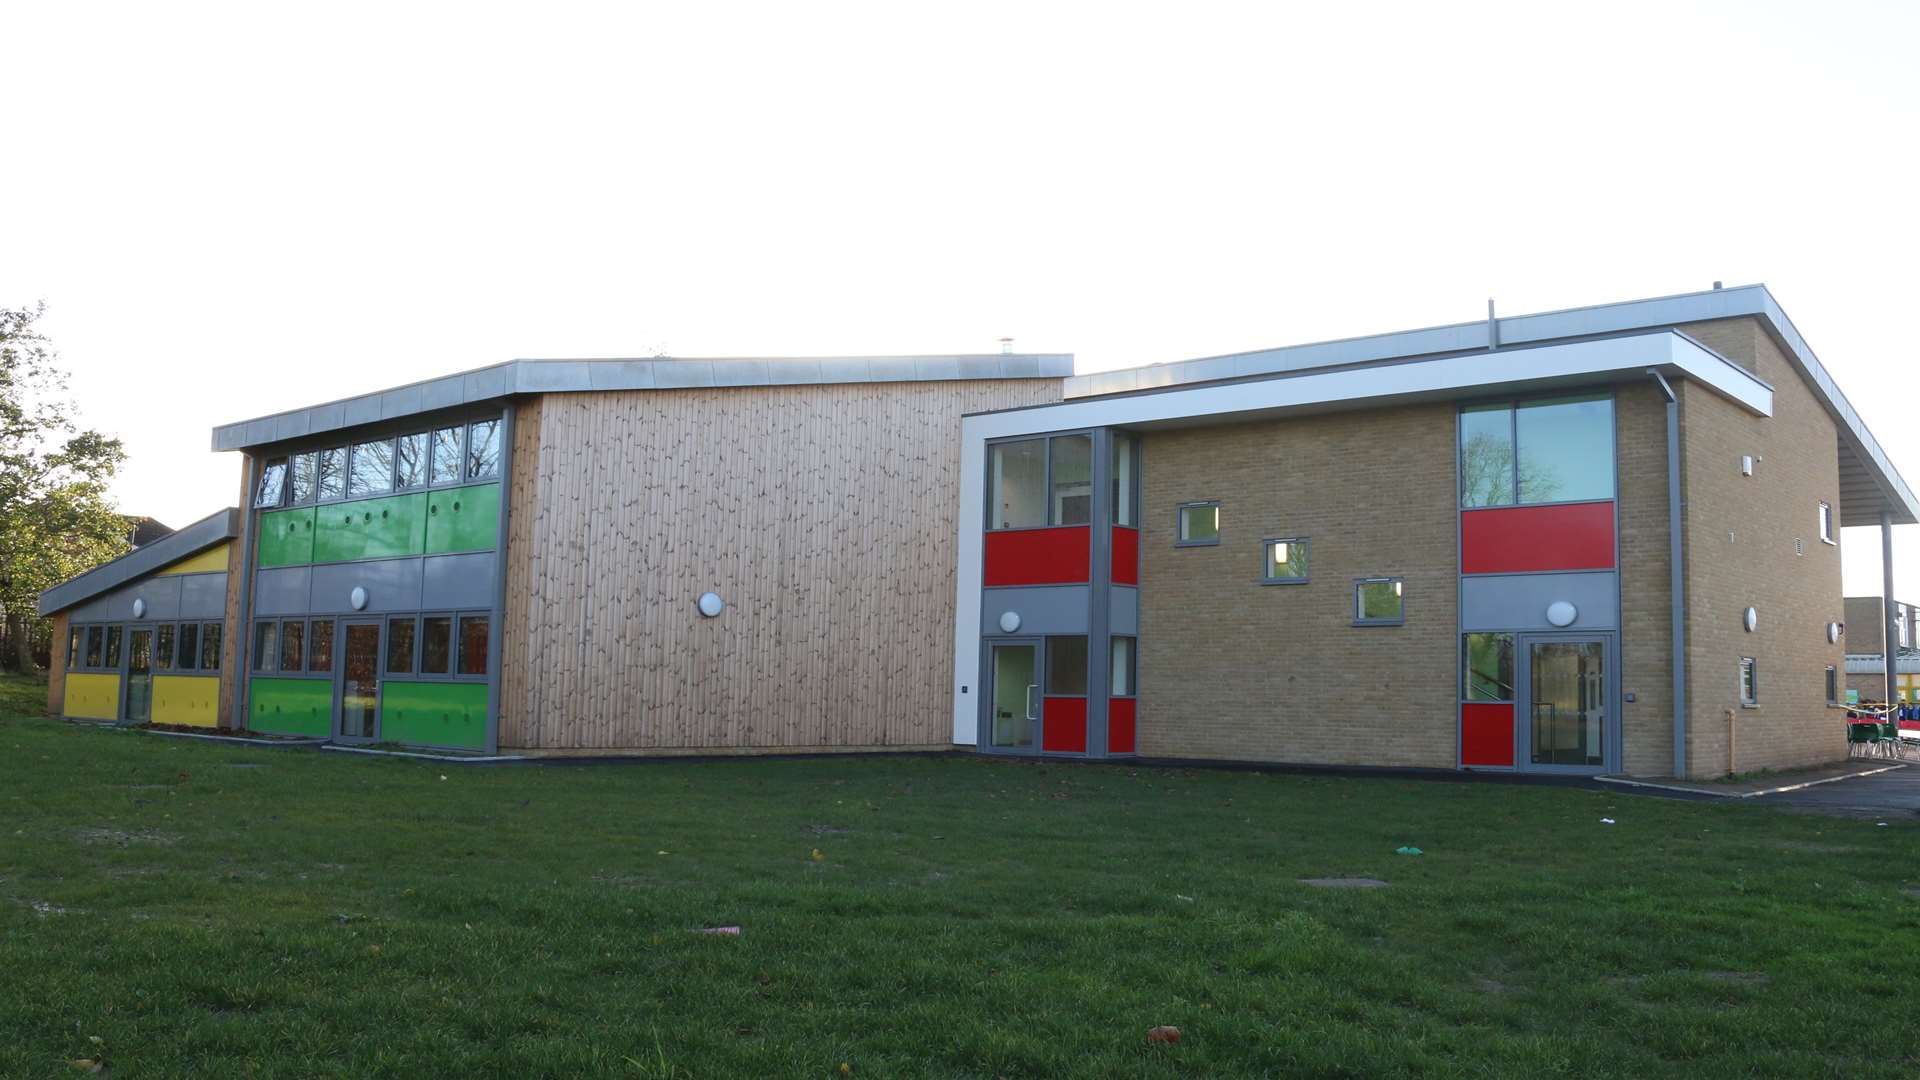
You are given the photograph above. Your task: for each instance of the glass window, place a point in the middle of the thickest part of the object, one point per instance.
(1067, 665)
(371, 469)
(330, 473)
(273, 483)
(1378, 600)
(293, 639)
(75, 637)
(321, 644)
(1486, 455)
(189, 651)
(483, 449)
(1826, 522)
(1749, 681)
(163, 648)
(1286, 560)
(1122, 667)
(1125, 510)
(302, 482)
(400, 646)
(1072, 479)
(410, 461)
(1489, 667)
(95, 637)
(1199, 523)
(112, 658)
(436, 644)
(473, 644)
(1565, 449)
(1833, 685)
(210, 646)
(266, 645)
(1018, 475)
(445, 466)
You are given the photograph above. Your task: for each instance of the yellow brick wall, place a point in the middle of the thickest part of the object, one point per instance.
(1646, 609)
(1231, 668)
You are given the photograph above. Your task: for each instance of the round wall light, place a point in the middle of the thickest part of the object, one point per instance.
(1750, 619)
(1833, 633)
(1009, 621)
(1562, 613)
(358, 598)
(139, 608)
(711, 604)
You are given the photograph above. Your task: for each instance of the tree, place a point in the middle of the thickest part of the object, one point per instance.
(54, 518)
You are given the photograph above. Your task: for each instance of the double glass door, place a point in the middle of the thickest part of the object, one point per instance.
(357, 681)
(1566, 718)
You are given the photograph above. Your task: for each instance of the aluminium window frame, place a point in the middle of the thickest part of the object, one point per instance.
(1833, 685)
(1179, 523)
(1826, 524)
(1513, 688)
(391, 435)
(1046, 484)
(453, 617)
(1046, 667)
(1133, 667)
(1266, 560)
(1399, 620)
(1748, 678)
(1512, 405)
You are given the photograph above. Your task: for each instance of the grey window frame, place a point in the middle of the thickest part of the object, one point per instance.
(1179, 516)
(413, 646)
(1114, 437)
(1749, 682)
(1512, 406)
(1399, 620)
(219, 629)
(466, 450)
(1833, 685)
(1466, 661)
(333, 643)
(1133, 667)
(284, 464)
(1046, 481)
(393, 463)
(1827, 524)
(163, 659)
(453, 617)
(89, 650)
(113, 650)
(426, 460)
(1086, 667)
(1266, 563)
(76, 642)
(314, 455)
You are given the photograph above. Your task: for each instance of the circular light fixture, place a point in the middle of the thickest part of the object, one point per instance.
(358, 598)
(1833, 633)
(1750, 619)
(139, 608)
(1009, 621)
(711, 604)
(1562, 613)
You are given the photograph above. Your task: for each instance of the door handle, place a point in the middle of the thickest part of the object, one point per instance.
(1033, 702)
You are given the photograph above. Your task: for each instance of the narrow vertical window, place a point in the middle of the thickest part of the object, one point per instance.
(74, 638)
(410, 461)
(210, 646)
(473, 645)
(1488, 667)
(95, 637)
(1017, 481)
(113, 647)
(293, 640)
(1833, 685)
(444, 468)
(370, 471)
(1123, 667)
(1197, 524)
(163, 648)
(436, 645)
(302, 480)
(330, 473)
(1826, 522)
(400, 645)
(1072, 479)
(1067, 666)
(273, 483)
(1125, 492)
(266, 645)
(1378, 602)
(483, 449)
(189, 651)
(1749, 681)
(320, 645)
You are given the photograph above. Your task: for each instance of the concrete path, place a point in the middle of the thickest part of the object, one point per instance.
(1887, 796)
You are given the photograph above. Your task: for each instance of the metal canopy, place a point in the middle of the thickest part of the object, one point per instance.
(662, 373)
(210, 530)
(1868, 480)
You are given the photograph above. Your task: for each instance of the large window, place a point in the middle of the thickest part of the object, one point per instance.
(331, 473)
(1285, 562)
(444, 467)
(1488, 672)
(410, 461)
(1544, 451)
(1018, 473)
(1126, 496)
(1067, 666)
(303, 479)
(1072, 479)
(1379, 602)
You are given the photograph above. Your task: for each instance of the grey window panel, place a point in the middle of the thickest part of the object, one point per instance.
(164, 552)
(621, 375)
(391, 584)
(162, 596)
(1520, 601)
(361, 410)
(457, 581)
(282, 590)
(1043, 609)
(203, 596)
(1123, 610)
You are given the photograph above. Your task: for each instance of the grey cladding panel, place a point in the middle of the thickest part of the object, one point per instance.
(203, 596)
(1043, 609)
(162, 595)
(457, 581)
(1123, 611)
(282, 590)
(1520, 601)
(392, 585)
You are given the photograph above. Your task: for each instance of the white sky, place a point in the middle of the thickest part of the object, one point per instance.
(236, 209)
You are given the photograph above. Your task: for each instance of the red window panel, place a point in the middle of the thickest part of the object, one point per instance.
(1064, 725)
(1126, 555)
(1516, 539)
(1486, 733)
(1060, 556)
(1120, 721)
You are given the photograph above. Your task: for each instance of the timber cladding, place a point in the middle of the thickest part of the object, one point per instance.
(824, 515)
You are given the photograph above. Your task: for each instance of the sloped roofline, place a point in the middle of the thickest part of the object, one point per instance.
(216, 527)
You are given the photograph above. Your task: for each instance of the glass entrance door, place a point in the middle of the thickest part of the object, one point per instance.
(357, 688)
(140, 676)
(1013, 709)
(1568, 722)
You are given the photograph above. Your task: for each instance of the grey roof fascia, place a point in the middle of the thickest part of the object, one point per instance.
(208, 531)
(532, 376)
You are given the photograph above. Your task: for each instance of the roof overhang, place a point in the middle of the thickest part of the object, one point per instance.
(576, 376)
(210, 530)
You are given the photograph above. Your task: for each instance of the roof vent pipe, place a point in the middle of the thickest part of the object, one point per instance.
(1716, 286)
(1493, 327)
(1006, 346)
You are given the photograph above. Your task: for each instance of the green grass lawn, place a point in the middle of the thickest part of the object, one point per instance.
(216, 910)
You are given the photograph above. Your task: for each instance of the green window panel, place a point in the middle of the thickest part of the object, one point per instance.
(291, 706)
(434, 714)
(463, 519)
(370, 528)
(286, 537)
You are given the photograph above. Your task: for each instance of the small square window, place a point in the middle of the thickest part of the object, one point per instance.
(1379, 602)
(1199, 524)
(1826, 523)
(1285, 562)
(1749, 681)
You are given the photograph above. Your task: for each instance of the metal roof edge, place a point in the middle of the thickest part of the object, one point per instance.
(221, 525)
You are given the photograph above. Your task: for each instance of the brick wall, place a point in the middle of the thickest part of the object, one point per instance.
(1231, 668)
(1740, 536)
(1646, 583)
(1866, 625)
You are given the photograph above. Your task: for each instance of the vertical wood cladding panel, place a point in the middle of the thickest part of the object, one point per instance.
(232, 715)
(826, 518)
(57, 666)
